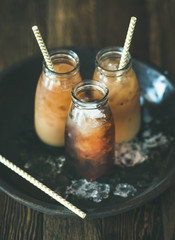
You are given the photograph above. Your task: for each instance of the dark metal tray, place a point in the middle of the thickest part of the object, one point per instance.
(19, 143)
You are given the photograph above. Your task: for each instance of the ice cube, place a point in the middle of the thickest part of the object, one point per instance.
(124, 190)
(28, 165)
(88, 190)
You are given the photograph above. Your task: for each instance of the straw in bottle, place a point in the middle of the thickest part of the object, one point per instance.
(42, 187)
(123, 60)
(43, 48)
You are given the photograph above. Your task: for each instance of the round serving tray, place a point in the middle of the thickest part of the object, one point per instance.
(19, 143)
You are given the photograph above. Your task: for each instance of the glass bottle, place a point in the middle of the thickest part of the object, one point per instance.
(90, 133)
(124, 96)
(53, 96)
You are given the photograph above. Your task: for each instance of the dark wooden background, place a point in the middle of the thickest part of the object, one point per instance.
(89, 23)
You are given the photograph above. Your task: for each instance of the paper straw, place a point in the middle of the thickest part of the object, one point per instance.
(123, 60)
(42, 187)
(43, 48)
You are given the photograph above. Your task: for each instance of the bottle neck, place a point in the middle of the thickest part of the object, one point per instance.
(65, 62)
(108, 60)
(89, 94)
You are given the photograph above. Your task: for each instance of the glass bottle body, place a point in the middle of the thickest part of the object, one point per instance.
(124, 95)
(53, 96)
(90, 133)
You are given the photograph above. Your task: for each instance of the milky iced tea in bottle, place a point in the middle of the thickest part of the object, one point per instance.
(124, 96)
(90, 133)
(53, 96)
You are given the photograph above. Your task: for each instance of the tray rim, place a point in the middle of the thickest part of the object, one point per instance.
(51, 209)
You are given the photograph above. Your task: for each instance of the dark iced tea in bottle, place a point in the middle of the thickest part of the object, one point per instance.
(90, 133)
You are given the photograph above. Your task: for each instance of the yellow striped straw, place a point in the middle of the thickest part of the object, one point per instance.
(43, 48)
(123, 60)
(42, 187)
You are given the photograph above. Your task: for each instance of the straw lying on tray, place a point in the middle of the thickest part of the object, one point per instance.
(42, 187)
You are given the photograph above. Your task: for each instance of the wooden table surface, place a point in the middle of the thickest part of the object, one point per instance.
(89, 23)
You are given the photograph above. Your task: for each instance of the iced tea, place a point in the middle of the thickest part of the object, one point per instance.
(53, 97)
(90, 133)
(124, 96)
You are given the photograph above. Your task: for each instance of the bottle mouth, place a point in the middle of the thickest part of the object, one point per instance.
(89, 94)
(115, 54)
(63, 56)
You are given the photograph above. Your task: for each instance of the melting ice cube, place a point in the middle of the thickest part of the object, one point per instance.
(124, 190)
(88, 190)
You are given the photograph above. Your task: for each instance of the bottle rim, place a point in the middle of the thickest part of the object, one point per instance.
(63, 53)
(90, 83)
(115, 50)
